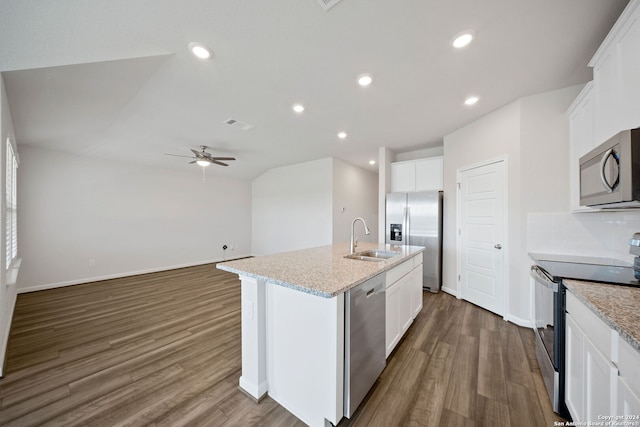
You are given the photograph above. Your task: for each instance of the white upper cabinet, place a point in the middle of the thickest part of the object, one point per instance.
(611, 102)
(629, 72)
(417, 175)
(581, 118)
(616, 76)
(607, 116)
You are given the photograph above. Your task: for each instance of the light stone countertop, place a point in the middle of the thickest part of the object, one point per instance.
(321, 271)
(618, 306)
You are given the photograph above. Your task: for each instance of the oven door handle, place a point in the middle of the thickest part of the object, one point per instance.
(542, 277)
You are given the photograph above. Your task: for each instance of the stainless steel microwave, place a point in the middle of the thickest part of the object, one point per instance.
(610, 173)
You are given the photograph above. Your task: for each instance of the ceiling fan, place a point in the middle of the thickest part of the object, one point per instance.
(203, 158)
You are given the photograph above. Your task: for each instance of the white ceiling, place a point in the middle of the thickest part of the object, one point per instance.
(114, 79)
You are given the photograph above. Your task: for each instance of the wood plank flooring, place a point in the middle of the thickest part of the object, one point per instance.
(163, 349)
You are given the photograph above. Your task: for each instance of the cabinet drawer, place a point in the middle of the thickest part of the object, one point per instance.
(397, 272)
(598, 331)
(629, 364)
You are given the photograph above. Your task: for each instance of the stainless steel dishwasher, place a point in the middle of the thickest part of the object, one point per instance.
(364, 340)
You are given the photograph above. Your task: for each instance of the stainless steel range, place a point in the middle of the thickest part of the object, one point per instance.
(550, 308)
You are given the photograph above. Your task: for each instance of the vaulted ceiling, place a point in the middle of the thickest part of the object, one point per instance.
(114, 78)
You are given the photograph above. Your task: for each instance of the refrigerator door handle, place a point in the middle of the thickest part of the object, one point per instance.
(407, 225)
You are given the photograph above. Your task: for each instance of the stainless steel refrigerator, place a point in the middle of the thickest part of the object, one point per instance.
(416, 219)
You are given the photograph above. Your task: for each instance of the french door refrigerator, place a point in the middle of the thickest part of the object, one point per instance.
(415, 219)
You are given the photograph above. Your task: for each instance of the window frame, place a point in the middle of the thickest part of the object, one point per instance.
(11, 205)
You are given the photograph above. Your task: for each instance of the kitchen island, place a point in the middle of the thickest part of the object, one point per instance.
(293, 322)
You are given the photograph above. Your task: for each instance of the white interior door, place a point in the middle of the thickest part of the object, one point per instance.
(481, 235)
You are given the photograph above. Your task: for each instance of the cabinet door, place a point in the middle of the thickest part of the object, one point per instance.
(600, 378)
(607, 100)
(403, 177)
(429, 174)
(416, 298)
(581, 138)
(628, 399)
(392, 312)
(405, 310)
(629, 61)
(574, 375)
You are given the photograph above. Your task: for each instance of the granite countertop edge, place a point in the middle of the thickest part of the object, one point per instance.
(304, 288)
(378, 267)
(635, 343)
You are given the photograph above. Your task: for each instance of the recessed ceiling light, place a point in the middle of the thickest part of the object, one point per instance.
(298, 108)
(199, 50)
(365, 79)
(472, 100)
(462, 40)
(342, 135)
(372, 162)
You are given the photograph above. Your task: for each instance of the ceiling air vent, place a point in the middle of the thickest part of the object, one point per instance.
(328, 4)
(238, 124)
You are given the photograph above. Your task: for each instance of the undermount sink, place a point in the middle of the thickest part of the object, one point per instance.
(372, 255)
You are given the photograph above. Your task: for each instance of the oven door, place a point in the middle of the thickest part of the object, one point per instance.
(545, 324)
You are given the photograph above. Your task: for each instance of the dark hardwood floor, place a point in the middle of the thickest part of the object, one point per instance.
(164, 349)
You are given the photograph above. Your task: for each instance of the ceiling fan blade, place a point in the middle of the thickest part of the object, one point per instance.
(218, 163)
(197, 153)
(178, 155)
(223, 158)
(192, 161)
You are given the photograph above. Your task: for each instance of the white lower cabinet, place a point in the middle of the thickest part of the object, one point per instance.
(403, 300)
(416, 292)
(574, 364)
(600, 383)
(628, 381)
(591, 376)
(628, 399)
(602, 371)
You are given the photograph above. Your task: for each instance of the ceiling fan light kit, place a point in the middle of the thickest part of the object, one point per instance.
(203, 158)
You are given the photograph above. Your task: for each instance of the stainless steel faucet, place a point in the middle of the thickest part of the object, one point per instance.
(354, 241)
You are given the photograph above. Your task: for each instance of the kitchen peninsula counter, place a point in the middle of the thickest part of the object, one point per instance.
(321, 271)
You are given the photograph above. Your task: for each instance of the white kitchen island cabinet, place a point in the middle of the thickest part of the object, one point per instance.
(293, 324)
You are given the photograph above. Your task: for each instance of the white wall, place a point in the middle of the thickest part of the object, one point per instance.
(292, 207)
(127, 218)
(356, 190)
(385, 158)
(420, 154)
(7, 290)
(493, 136)
(533, 135)
(300, 206)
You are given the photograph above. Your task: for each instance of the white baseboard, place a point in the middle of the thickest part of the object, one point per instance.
(518, 321)
(450, 291)
(45, 286)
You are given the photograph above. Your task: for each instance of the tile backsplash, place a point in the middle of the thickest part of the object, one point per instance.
(597, 234)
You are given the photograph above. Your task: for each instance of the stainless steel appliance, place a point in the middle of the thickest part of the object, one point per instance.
(549, 329)
(610, 173)
(416, 219)
(364, 349)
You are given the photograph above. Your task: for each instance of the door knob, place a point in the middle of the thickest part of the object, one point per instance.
(497, 246)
